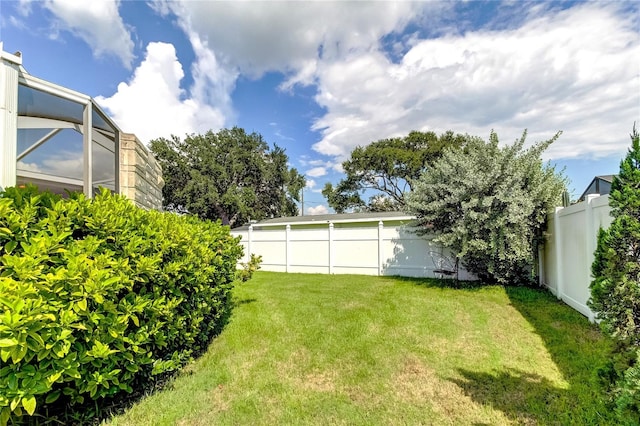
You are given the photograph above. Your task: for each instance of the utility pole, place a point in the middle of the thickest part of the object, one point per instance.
(302, 201)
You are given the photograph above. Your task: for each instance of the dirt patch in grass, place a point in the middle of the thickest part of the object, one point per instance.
(218, 399)
(297, 372)
(353, 304)
(318, 381)
(418, 384)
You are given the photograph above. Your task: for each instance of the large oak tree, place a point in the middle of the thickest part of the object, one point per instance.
(388, 168)
(229, 175)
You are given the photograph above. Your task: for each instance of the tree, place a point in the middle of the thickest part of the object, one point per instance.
(489, 205)
(230, 175)
(389, 167)
(615, 289)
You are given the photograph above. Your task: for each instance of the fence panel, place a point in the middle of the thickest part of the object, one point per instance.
(372, 248)
(569, 250)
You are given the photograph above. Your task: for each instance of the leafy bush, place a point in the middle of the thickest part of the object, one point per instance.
(98, 296)
(249, 268)
(615, 289)
(489, 205)
(627, 393)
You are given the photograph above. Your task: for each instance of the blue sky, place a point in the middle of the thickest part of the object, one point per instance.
(320, 78)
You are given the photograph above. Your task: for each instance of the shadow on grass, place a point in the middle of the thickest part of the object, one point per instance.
(91, 412)
(524, 397)
(577, 348)
(240, 302)
(440, 283)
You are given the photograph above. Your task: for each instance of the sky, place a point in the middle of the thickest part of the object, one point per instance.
(321, 78)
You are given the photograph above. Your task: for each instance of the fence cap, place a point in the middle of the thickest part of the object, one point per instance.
(373, 217)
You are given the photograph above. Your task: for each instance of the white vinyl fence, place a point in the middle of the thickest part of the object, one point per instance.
(367, 247)
(569, 250)
(380, 246)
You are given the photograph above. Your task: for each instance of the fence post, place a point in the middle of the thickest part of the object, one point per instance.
(557, 240)
(591, 237)
(330, 247)
(286, 247)
(249, 236)
(541, 265)
(380, 254)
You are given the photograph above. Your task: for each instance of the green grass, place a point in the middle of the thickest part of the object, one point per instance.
(318, 349)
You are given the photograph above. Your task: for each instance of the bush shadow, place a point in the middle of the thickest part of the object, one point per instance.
(441, 283)
(578, 350)
(240, 302)
(525, 398)
(98, 412)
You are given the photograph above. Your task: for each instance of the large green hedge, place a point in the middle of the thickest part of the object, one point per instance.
(97, 296)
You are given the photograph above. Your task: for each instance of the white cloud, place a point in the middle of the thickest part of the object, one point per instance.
(96, 22)
(256, 37)
(69, 164)
(212, 86)
(152, 104)
(312, 211)
(310, 184)
(323, 163)
(316, 172)
(574, 70)
(29, 167)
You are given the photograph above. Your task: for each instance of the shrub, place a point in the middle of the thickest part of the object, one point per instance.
(489, 205)
(249, 268)
(98, 296)
(615, 289)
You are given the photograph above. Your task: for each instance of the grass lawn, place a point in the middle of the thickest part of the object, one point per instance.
(345, 349)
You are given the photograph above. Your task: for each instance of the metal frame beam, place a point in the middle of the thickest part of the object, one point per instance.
(87, 150)
(51, 178)
(38, 143)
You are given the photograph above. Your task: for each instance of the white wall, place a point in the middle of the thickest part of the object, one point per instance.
(371, 248)
(9, 71)
(569, 250)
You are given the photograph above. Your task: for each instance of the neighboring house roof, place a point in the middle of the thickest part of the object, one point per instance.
(333, 218)
(608, 178)
(600, 185)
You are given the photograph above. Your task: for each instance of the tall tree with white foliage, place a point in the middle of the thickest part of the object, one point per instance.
(489, 204)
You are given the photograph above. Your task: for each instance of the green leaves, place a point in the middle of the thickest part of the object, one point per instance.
(389, 167)
(615, 289)
(230, 175)
(8, 343)
(96, 296)
(29, 404)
